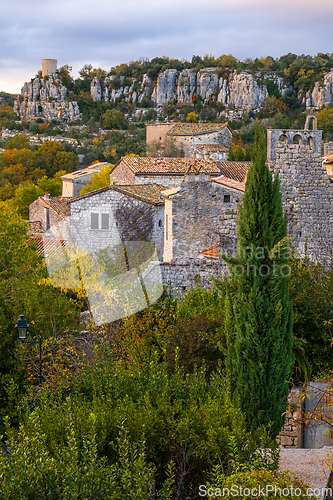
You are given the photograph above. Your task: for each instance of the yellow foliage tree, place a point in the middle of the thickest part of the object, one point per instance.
(99, 180)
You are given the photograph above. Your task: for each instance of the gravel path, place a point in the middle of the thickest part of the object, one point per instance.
(309, 465)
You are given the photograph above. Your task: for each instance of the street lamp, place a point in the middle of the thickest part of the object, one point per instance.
(22, 330)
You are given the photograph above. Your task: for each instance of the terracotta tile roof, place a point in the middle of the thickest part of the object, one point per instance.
(195, 128)
(328, 159)
(150, 193)
(211, 147)
(236, 170)
(231, 183)
(210, 253)
(58, 204)
(35, 227)
(48, 247)
(168, 166)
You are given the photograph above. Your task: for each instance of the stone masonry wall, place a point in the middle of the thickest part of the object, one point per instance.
(107, 202)
(307, 196)
(184, 275)
(291, 435)
(199, 214)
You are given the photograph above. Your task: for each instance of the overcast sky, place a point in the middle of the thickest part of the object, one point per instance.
(105, 33)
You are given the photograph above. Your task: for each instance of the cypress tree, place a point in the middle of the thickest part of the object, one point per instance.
(258, 310)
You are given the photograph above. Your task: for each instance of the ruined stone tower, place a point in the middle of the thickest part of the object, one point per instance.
(49, 67)
(307, 137)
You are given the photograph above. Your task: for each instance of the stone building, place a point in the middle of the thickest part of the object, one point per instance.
(51, 212)
(307, 137)
(73, 182)
(186, 137)
(166, 171)
(118, 213)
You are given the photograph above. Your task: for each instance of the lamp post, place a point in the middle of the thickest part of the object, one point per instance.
(22, 330)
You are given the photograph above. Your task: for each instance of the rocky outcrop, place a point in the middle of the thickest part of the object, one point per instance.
(237, 91)
(46, 98)
(322, 94)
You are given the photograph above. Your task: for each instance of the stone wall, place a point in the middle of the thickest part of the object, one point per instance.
(201, 213)
(185, 275)
(307, 196)
(37, 212)
(108, 201)
(186, 142)
(278, 137)
(291, 435)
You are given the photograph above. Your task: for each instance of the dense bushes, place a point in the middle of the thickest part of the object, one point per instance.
(169, 419)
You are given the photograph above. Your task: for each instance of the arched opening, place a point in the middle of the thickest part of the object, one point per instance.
(283, 139)
(310, 142)
(297, 139)
(311, 123)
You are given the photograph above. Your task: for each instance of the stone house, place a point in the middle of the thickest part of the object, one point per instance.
(166, 171)
(117, 214)
(186, 137)
(73, 182)
(51, 212)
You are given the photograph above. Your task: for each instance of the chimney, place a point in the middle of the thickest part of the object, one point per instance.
(47, 196)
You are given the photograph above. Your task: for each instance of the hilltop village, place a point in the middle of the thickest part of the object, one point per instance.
(182, 193)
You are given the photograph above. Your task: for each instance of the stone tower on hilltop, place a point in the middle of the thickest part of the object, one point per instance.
(49, 67)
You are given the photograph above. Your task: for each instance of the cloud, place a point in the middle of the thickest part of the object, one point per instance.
(105, 33)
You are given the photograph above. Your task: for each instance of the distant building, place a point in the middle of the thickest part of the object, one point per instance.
(190, 139)
(73, 183)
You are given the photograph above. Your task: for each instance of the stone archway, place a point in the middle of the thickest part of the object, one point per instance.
(311, 120)
(297, 139)
(283, 139)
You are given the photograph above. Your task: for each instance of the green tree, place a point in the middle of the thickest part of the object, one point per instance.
(113, 119)
(18, 142)
(258, 310)
(99, 180)
(325, 119)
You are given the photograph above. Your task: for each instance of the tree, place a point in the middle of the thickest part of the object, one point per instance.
(192, 117)
(99, 180)
(24, 289)
(258, 310)
(113, 119)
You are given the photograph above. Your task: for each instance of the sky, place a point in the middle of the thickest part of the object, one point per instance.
(105, 33)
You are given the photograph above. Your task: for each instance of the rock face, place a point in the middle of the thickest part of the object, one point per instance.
(237, 91)
(47, 99)
(322, 94)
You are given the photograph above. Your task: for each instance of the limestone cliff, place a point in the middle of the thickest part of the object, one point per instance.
(236, 91)
(46, 98)
(322, 94)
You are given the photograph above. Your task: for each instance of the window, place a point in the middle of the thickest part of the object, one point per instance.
(94, 221)
(166, 226)
(100, 221)
(226, 198)
(105, 222)
(159, 223)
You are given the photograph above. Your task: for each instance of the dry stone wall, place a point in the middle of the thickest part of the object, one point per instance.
(291, 435)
